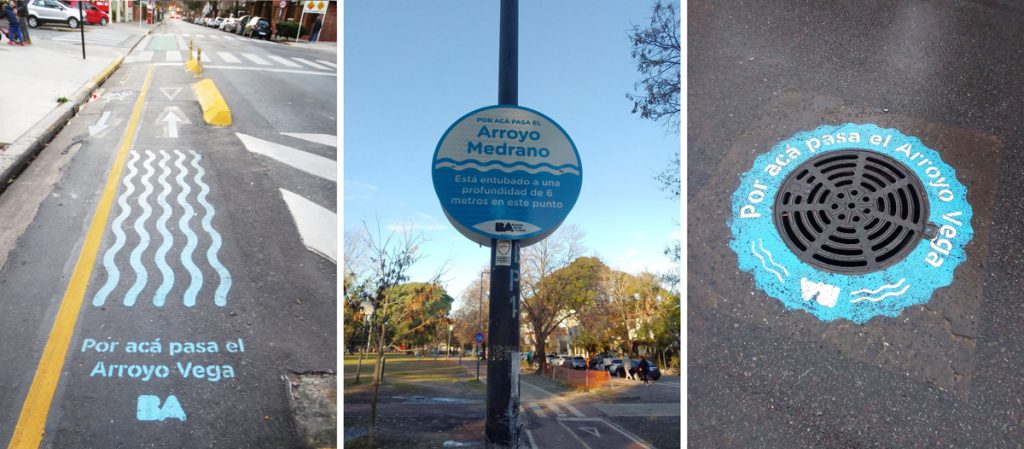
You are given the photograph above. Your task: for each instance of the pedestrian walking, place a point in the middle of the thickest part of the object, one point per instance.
(626, 365)
(315, 35)
(23, 20)
(644, 369)
(14, 28)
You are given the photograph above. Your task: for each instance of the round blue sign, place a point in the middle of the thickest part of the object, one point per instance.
(479, 337)
(506, 172)
(927, 264)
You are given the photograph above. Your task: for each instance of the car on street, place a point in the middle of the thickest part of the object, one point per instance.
(93, 15)
(574, 362)
(240, 25)
(229, 24)
(51, 11)
(216, 22)
(260, 29)
(634, 372)
(613, 366)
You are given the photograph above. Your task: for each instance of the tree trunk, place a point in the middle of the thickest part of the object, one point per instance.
(377, 376)
(359, 367)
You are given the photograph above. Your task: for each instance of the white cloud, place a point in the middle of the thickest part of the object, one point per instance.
(359, 191)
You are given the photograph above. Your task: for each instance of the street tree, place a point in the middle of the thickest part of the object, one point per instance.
(562, 295)
(417, 312)
(539, 261)
(656, 50)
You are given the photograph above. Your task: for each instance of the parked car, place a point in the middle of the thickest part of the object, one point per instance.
(613, 366)
(260, 29)
(51, 11)
(240, 26)
(653, 371)
(574, 362)
(247, 27)
(228, 24)
(93, 15)
(214, 23)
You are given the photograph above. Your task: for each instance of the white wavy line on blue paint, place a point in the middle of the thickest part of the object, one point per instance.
(886, 286)
(113, 274)
(897, 293)
(760, 244)
(168, 239)
(220, 297)
(141, 275)
(566, 171)
(196, 276)
(505, 164)
(765, 264)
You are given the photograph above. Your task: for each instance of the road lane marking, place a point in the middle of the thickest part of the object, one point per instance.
(323, 139)
(228, 57)
(333, 65)
(554, 407)
(261, 69)
(283, 61)
(142, 56)
(567, 405)
(28, 432)
(537, 410)
(529, 436)
(255, 59)
(173, 55)
(318, 227)
(206, 58)
(577, 437)
(307, 162)
(311, 64)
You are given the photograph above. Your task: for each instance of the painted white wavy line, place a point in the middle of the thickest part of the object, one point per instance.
(904, 290)
(764, 264)
(871, 292)
(565, 171)
(760, 244)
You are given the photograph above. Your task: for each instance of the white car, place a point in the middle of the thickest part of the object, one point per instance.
(51, 11)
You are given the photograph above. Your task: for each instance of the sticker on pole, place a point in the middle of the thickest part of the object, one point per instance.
(508, 173)
(850, 221)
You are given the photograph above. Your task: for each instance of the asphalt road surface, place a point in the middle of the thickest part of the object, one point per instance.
(945, 373)
(208, 272)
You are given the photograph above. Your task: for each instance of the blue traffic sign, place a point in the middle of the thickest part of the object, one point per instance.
(506, 172)
(479, 337)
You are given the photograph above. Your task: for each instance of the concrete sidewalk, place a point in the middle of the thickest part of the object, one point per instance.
(36, 76)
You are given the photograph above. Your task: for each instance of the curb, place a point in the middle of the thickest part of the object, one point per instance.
(18, 154)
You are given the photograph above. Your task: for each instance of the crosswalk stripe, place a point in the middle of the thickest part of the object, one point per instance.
(574, 410)
(213, 36)
(208, 58)
(554, 408)
(173, 55)
(323, 139)
(333, 65)
(283, 61)
(301, 160)
(144, 56)
(318, 227)
(228, 57)
(256, 59)
(537, 410)
(311, 64)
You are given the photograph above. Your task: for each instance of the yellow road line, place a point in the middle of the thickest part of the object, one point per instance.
(28, 433)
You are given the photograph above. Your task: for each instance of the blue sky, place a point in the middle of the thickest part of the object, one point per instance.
(413, 67)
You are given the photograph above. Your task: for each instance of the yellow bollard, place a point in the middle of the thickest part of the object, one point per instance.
(199, 63)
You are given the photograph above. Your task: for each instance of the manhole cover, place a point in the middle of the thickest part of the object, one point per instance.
(851, 211)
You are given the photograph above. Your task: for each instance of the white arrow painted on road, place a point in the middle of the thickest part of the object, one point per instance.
(591, 430)
(172, 119)
(170, 92)
(100, 125)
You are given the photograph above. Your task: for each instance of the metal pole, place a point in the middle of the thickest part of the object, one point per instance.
(298, 29)
(81, 27)
(502, 417)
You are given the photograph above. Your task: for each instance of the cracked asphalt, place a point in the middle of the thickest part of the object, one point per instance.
(944, 374)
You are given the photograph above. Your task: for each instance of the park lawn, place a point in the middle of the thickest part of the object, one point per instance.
(408, 374)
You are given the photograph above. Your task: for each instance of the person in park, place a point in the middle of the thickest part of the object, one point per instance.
(14, 28)
(643, 369)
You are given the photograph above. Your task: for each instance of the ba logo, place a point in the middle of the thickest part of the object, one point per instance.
(504, 227)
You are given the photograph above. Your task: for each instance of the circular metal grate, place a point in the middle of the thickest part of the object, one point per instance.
(851, 211)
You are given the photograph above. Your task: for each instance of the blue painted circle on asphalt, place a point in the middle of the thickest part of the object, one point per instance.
(828, 296)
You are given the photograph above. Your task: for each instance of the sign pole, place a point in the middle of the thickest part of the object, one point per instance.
(81, 27)
(298, 29)
(502, 417)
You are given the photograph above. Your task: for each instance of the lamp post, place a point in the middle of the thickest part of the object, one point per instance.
(449, 347)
